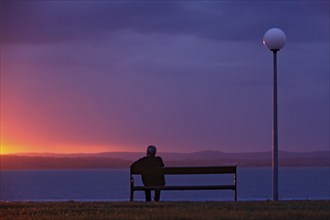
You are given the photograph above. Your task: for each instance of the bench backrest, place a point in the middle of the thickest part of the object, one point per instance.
(186, 170)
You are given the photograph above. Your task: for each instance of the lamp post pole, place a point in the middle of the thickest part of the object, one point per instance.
(274, 39)
(274, 132)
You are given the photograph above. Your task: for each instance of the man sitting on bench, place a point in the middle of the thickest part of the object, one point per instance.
(150, 161)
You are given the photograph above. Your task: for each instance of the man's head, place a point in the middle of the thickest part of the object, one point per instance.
(151, 150)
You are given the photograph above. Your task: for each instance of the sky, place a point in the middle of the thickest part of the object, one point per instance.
(185, 76)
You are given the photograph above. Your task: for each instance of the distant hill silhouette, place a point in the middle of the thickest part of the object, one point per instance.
(107, 160)
(9, 162)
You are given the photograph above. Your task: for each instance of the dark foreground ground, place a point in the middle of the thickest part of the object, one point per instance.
(166, 210)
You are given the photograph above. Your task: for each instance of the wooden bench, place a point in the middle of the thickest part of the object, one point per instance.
(185, 171)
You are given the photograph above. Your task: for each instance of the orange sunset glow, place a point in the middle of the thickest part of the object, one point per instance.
(72, 87)
(11, 149)
(65, 149)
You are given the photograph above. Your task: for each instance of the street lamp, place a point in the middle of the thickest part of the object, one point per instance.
(274, 39)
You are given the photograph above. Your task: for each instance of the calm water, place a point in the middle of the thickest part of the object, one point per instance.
(113, 185)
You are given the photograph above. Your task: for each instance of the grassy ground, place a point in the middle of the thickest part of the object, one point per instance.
(166, 210)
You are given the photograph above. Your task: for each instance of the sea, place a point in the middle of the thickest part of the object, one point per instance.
(295, 183)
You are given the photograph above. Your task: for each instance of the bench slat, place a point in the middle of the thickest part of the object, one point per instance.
(187, 170)
(212, 187)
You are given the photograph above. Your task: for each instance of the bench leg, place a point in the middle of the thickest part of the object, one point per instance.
(131, 188)
(235, 182)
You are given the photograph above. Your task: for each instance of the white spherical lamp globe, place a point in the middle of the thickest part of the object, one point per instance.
(274, 39)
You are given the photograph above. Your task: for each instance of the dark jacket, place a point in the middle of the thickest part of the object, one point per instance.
(150, 162)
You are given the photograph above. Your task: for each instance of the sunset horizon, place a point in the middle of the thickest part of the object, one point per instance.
(142, 151)
(184, 76)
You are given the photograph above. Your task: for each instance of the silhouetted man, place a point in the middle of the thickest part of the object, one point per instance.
(151, 161)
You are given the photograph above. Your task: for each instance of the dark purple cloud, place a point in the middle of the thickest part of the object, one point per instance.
(47, 21)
